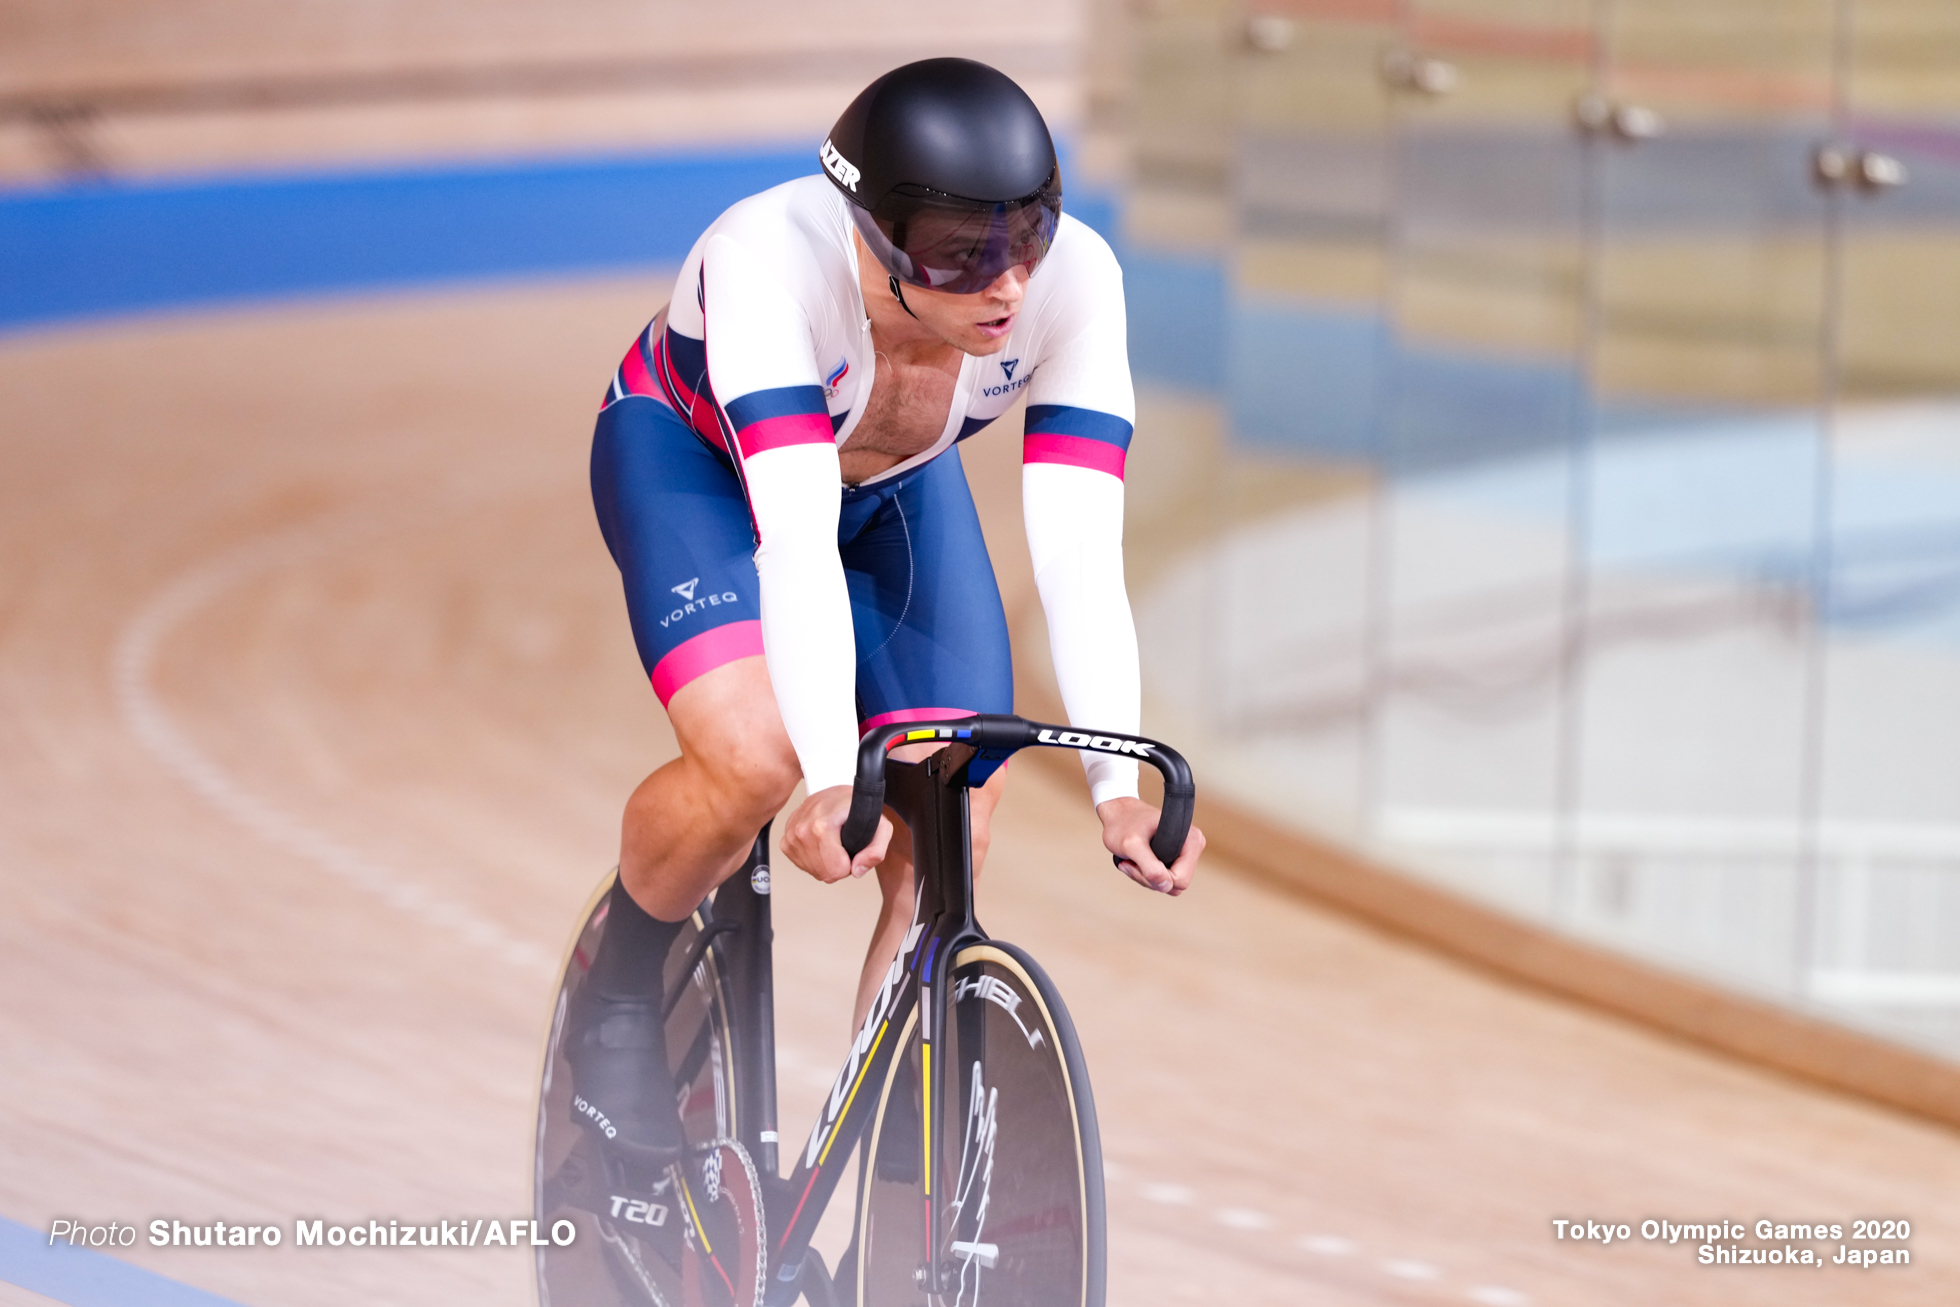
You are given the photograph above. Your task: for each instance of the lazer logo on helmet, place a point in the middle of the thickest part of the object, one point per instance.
(1102, 743)
(839, 167)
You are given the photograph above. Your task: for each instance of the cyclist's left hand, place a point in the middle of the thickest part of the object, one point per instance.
(810, 837)
(1127, 826)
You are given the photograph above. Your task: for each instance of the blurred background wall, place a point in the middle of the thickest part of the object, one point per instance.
(151, 87)
(1570, 513)
(159, 154)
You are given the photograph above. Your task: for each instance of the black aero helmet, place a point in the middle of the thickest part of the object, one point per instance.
(950, 172)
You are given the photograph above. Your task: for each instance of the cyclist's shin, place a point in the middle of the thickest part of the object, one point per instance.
(623, 1087)
(633, 951)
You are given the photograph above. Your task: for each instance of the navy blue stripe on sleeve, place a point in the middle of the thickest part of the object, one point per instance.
(782, 401)
(1086, 423)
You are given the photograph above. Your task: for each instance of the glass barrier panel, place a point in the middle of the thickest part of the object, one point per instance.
(1886, 845)
(1487, 407)
(1257, 614)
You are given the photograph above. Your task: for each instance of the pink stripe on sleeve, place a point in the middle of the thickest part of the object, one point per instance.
(1076, 451)
(704, 653)
(789, 429)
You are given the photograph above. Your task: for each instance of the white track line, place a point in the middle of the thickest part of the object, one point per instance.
(1404, 1268)
(1174, 1194)
(145, 716)
(1329, 1245)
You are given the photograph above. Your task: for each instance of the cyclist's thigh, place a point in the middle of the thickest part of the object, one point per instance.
(673, 515)
(931, 632)
(727, 721)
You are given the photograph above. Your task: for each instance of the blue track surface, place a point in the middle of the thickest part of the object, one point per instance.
(81, 1277)
(100, 249)
(91, 250)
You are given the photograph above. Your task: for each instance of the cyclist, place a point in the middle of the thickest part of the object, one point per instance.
(775, 473)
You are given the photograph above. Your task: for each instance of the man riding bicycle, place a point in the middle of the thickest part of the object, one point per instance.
(775, 474)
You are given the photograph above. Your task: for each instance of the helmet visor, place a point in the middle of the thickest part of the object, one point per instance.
(944, 243)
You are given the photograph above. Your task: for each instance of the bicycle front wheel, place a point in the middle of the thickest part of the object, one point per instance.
(1016, 1163)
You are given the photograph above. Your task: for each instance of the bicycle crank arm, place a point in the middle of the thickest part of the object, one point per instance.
(1000, 735)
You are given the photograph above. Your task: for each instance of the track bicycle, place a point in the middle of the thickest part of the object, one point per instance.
(964, 1096)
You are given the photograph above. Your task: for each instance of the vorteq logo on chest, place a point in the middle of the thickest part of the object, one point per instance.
(1007, 367)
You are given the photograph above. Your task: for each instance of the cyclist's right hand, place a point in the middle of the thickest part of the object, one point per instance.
(810, 838)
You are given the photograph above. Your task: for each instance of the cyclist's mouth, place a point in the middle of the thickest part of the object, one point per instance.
(996, 327)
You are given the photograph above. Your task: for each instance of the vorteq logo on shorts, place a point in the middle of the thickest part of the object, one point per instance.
(686, 591)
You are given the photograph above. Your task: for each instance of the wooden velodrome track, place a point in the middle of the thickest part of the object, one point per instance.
(319, 707)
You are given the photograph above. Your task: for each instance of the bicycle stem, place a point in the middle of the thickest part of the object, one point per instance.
(996, 736)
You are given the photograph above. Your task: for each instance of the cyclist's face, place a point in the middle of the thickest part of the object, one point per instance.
(978, 323)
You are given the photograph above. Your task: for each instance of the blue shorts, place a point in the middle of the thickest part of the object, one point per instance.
(926, 611)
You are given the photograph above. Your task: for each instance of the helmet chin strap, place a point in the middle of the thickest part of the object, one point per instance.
(899, 295)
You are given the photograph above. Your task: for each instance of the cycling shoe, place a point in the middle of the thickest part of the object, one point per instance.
(622, 1089)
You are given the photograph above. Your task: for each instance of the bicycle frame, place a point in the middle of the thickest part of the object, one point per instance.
(931, 797)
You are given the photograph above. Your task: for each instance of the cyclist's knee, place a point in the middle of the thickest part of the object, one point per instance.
(751, 779)
(981, 816)
(895, 887)
(734, 741)
(980, 829)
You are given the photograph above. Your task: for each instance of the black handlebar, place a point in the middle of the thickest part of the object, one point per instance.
(1000, 733)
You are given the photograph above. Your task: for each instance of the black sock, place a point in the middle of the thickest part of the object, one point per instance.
(633, 951)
